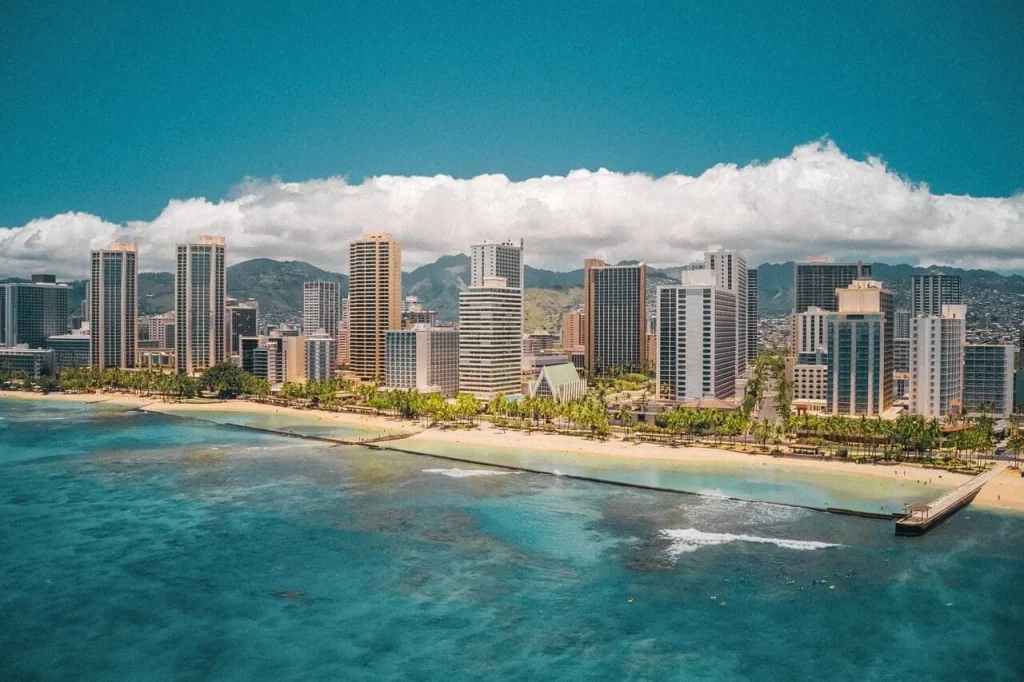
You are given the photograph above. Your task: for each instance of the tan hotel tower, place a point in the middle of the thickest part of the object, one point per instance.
(374, 302)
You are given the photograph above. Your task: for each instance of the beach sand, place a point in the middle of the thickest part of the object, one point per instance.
(1006, 492)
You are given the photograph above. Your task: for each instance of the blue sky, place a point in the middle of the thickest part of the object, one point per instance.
(113, 109)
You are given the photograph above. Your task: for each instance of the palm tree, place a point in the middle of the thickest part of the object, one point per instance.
(763, 431)
(1015, 444)
(626, 419)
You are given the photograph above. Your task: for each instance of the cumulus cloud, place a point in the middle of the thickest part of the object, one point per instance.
(816, 201)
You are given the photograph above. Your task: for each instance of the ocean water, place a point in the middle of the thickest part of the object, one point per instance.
(785, 483)
(304, 424)
(146, 547)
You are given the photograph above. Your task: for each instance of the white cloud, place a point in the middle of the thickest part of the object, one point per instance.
(816, 201)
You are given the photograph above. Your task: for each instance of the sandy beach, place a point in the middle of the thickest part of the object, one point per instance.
(1006, 492)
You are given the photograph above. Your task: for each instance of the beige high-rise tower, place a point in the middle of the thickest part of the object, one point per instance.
(114, 303)
(374, 300)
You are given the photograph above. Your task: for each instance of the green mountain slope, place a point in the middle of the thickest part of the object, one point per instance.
(277, 285)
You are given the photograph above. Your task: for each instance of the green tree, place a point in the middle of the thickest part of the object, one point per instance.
(466, 407)
(226, 379)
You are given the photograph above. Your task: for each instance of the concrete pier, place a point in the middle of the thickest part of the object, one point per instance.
(921, 518)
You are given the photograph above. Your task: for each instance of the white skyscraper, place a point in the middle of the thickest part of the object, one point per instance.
(697, 337)
(937, 362)
(200, 295)
(490, 350)
(730, 268)
(321, 303)
(113, 296)
(497, 259)
(343, 330)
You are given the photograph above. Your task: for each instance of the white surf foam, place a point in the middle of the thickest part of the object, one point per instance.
(716, 493)
(467, 473)
(690, 540)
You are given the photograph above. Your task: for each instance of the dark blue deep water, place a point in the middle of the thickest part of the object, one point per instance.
(138, 546)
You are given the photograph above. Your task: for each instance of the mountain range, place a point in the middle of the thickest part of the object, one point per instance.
(277, 285)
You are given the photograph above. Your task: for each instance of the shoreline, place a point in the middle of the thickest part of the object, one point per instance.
(1005, 492)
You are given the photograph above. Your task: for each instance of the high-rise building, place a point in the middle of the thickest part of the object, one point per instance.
(752, 315)
(267, 363)
(247, 345)
(696, 338)
(114, 302)
(937, 363)
(615, 317)
(860, 351)
(200, 297)
(810, 330)
(294, 348)
(928, 293)
(730, 268)
(321, 303)
(343, 333)
(424, 358)
(816, 281)
(490, 349)
(988, 379)
(321, 353)
(573, 329)
(244, 319)
(321, 308)
(32, 311)
(497, 259)
(902, 321)
(375, 301)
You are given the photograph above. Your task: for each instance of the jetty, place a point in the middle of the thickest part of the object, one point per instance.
(921, 518)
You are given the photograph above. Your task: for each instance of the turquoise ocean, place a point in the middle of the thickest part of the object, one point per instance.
(137, 546)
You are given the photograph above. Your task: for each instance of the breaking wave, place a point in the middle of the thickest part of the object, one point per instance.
(690, 540)
(468, 473)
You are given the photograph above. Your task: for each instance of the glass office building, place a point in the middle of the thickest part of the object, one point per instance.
(988, 379)
(615, 317)
(815, 282)
(32, 311)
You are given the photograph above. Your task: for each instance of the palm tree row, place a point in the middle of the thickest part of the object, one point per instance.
(587, 414)
(140, 382)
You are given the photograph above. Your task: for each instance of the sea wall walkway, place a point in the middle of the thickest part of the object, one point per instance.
(921, 518)
(386, 443)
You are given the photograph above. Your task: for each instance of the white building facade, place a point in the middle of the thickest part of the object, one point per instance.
(937, 362)
(490, 348)
(697, 337)
(730, 268)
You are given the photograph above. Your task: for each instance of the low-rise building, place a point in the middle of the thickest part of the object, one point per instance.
(70, 350)
(31, 362)
(809, 380)
(156, 359)
(561, 382)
